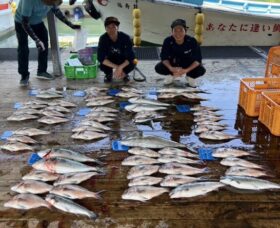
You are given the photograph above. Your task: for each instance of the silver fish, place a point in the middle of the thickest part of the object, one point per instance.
(182, 169)
(143, 193)
(47, 94)
(30, 132)
(193, 96)
(167, 95)
(88, 135)
(99, 98)
(32, 106)
(68, 154)
(243, 171)
(74, 192)
(75, 178)
(127, 94)
(16, 146)
(216, 135)
(104, 109)
(175, 180)
(60, 109)
(249, 183)
(62, 165)
(233, 161)
(26, 202)
(95, 124)
(52, 120)
(100, 119)
(132, 90)
(140, 108)
(205, 113)
(29, 111)
(48, 112)
(229, 152)
(194, 189)
(152, 142)
(21, 117)
(141, 101)
(166, 158)
(211, 123)
(138, 160)
(144, 180)
(142, 170)
(87, 128)
(69, 206)
(62, 103)
(144, 151)
(22, 139)
(36, 102)
(31, 186)
(41, 176)
(99, 103)
(177, 152)
(100, 114)
(206, 128)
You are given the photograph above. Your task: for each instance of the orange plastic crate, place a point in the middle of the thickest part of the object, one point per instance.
(273, 62)
(270, 112)
(250, 93)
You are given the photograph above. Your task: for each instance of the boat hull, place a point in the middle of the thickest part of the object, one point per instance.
(221, 27)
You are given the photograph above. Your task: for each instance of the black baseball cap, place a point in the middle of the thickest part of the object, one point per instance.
(179, 22)
(111, 20)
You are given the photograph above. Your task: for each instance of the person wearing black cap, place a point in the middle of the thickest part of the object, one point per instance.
(115, 52)
(180, 55)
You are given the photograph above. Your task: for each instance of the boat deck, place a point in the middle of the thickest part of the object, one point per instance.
(222, 208)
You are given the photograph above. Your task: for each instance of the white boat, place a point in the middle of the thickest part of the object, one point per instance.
(6, 18)
(227, 22)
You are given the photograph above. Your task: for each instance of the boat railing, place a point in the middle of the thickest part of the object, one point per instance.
(244, 6)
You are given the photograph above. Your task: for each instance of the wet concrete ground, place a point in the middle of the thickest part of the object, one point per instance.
(218, 209)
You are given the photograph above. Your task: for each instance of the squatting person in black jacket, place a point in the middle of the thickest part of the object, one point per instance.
(180, 55)
(115, 52)
(29, 21)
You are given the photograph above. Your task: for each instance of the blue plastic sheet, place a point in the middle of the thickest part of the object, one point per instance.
(183, 108)
(113, 92)
(206, 154)
(17, 105)
(6, 134)
(117, 146)
(79, 93)
(33, 158)
(84, 111)
(33, 92)
(123, 104)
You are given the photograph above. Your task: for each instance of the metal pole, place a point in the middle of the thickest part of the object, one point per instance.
(57, 70)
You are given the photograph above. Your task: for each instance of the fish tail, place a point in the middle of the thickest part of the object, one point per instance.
(99, 162)
(92, 215)
(97, 194)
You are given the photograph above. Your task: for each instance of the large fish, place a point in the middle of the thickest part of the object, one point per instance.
(95, 124)
(88, 135)
(48, 94)
(194, 189)
(75, 178)
(22, 139)
(143, 193)
(21, 117)
(181, 169)
(176, 180)
(138, 160)
(233, 161)
(177, 152)
(52, 120)
(87, 128)
(31, 186)
(141, 101)
(62, 103)
(249, 183)
(174, 158)
(104, 109)
(69, 154)
(41, 176)
(26, 202)
(216, 135)
(62, 165)
(206, 128)
(74, 192)
(99, 103)
(142, 170)
(69, 206)
(101, 114)
(30, 132)
(141, 108)
(193, 96)
(144, 180)
(127, 94)
(243, 171)
(229, 152)
(167, 95)
(99, 98)
(16, 146)
(48, 112)
(60, 109)
(144, 152)
(152, 142)
(132, 90)
(33, 106)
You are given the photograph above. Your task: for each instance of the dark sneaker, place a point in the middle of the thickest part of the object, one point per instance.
(126, 79)
(24, 82)
(45, 75)
(108, 78)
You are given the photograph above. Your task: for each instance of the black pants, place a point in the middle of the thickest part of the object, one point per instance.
(160, 68)
(23, 50)
(108, 70)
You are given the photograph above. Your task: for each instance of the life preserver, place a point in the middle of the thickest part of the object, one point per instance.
(103, 2)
